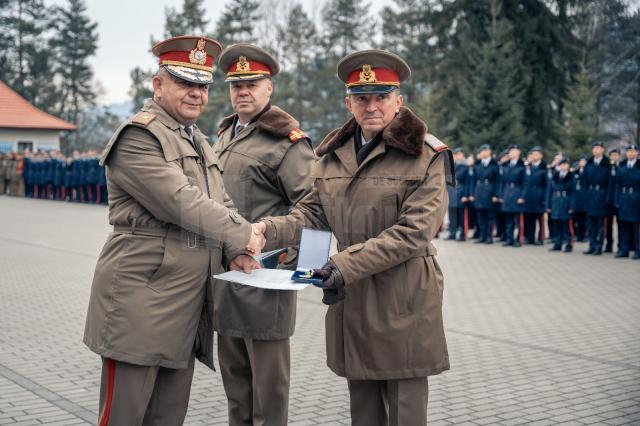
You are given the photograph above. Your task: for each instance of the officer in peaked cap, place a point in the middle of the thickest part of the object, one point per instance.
(597, 173)
(173, 224)
(628, 202)
(484, 193)
(267, 163)
(380, 187)
(535, 193)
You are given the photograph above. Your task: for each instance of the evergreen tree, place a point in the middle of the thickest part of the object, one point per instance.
(74, 41)
(140, 89)
(491, 110)
(347, 25)
(237, 23)
(191, 20)
(580, 127)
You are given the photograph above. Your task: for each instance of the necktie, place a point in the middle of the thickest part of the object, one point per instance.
(189, 131)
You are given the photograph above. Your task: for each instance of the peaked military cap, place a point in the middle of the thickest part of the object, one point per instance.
(189, 58)
(513, 146)
(597, 143)
(246, 62)
(458, 150)
(614, 149)
(632, 146)
(563, 160)
(484, 146)
(536, 149)
(372, 71)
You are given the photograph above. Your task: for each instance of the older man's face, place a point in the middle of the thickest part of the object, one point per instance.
(182, 100)
(375, 111)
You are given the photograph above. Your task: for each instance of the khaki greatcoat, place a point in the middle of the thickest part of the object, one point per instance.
(384, 214)
(174, 226)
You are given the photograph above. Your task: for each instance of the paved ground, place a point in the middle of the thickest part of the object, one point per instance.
(535, 337)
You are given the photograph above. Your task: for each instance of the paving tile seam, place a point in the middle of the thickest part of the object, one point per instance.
(49, 247)
(48, 395)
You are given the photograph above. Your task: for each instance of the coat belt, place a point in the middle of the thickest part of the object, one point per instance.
(191, 239)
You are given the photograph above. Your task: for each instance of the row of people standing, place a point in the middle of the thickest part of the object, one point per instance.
(516, 200)
(52, 176)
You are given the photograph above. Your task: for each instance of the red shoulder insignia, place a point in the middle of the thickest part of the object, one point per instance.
(435, 143)
(143, 118)
(296, 135)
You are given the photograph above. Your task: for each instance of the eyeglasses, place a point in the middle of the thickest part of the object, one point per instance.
(364, 100)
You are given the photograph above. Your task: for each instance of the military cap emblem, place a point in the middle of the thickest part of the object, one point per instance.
(198, 55)
(367, 75)
(243, 64)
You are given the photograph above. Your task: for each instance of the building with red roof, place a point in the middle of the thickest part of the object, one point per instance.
(23, 126)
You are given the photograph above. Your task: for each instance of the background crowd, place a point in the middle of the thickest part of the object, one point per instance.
(50, 175)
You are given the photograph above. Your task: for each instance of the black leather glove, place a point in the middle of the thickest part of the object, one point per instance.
(333, 296)
(331, 276)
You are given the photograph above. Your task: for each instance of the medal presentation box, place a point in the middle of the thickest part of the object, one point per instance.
(313, 254)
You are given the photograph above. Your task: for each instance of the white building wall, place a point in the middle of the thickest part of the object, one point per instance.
(44, 140)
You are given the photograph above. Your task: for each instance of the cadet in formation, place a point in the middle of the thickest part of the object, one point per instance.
(267, 162)
(560, 204)
(485, 183)
(627, 201)
(384, 286)
(512, 195)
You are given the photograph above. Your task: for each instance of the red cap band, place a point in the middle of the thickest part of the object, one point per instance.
(245, 67)
(182, 58)
(370, 76)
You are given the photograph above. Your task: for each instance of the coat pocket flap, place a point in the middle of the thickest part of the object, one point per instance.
(354, 248)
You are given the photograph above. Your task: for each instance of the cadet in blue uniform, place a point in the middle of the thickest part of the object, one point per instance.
(596, 179)
(92, 165)
(535, 191)
(627, 199)
(560, 206)
(612, 211)
(502, 159)
(512, 195)
(458, 197)
(579, 216)
(486, 175)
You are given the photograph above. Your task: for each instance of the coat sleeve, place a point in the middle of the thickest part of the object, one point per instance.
(294, 177)
(418, 221)
(137, 165)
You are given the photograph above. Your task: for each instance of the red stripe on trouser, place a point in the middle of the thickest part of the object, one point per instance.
(571, 231)
(521, 230)
(111, 377)
(466, 221)
(604, 228)
(542, 221)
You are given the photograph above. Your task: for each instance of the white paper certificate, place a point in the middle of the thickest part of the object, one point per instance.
(272, 279)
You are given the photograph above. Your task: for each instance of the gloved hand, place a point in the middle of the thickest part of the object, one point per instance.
(331, 276)
(333, 290)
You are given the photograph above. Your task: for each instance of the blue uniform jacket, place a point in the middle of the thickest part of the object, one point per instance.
(596, 182)
(561, 199)
(92, 166)
(462, 186)
(627, 197)
(512, 187)
(579, 192)
(485, 184)
(535, 188)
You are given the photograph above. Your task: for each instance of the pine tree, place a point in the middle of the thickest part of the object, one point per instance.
(348, 26)
(580, 126)
(491, 110)
(74, 41)
(140, 89)
(237, 23)
(191, 20)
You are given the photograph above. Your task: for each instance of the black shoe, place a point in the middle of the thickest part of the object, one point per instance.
(461, 239)
(597, 252)
(590, 251)
(555, 248)
(517, 244)
(621, 254)
(480, 241)
(451, 238)
(608, 250)
(507, 244)
(636, 255)
(538, 243)
(568, 249)
(489, 242)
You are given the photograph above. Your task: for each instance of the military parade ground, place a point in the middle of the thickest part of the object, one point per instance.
(534, 337)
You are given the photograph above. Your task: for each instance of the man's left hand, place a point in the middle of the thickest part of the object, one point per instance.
(331, 276)
(244, 263)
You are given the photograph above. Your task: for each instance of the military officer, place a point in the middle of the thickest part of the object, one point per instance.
(512, 195)
(458, 198)
(612, 211)
(559, 204)
(174, 226)
(485, 184)
(596, 178)
(267, 161)
(628, 203)
(380, 187)
(535, 193)
(578, 217)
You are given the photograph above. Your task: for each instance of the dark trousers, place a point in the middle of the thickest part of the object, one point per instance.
(143, 395)
(255, 375)
(400, 402)
(608, 231)
(530, 222)
(562, 233)
(500, 222)
(456, 222)
(486, 218)
(472, 215)
(628, 236)
(596, 232)
(579, 220)
(511, 224)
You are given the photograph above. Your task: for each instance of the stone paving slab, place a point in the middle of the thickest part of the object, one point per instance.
(534, 337)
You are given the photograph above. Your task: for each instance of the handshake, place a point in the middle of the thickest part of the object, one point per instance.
(246, 263)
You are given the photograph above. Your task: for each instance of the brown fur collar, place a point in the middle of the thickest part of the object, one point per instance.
(406, 132)
(274, 121)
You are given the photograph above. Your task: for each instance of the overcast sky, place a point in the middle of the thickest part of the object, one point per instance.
(125, 27)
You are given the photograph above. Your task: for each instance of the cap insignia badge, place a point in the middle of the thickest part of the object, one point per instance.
(243, 64)
(367, 75)
(198, 55)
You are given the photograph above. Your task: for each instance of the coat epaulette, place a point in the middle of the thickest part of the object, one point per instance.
(295, 135)
(143, 118)
(435, 143)
(221, 130)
